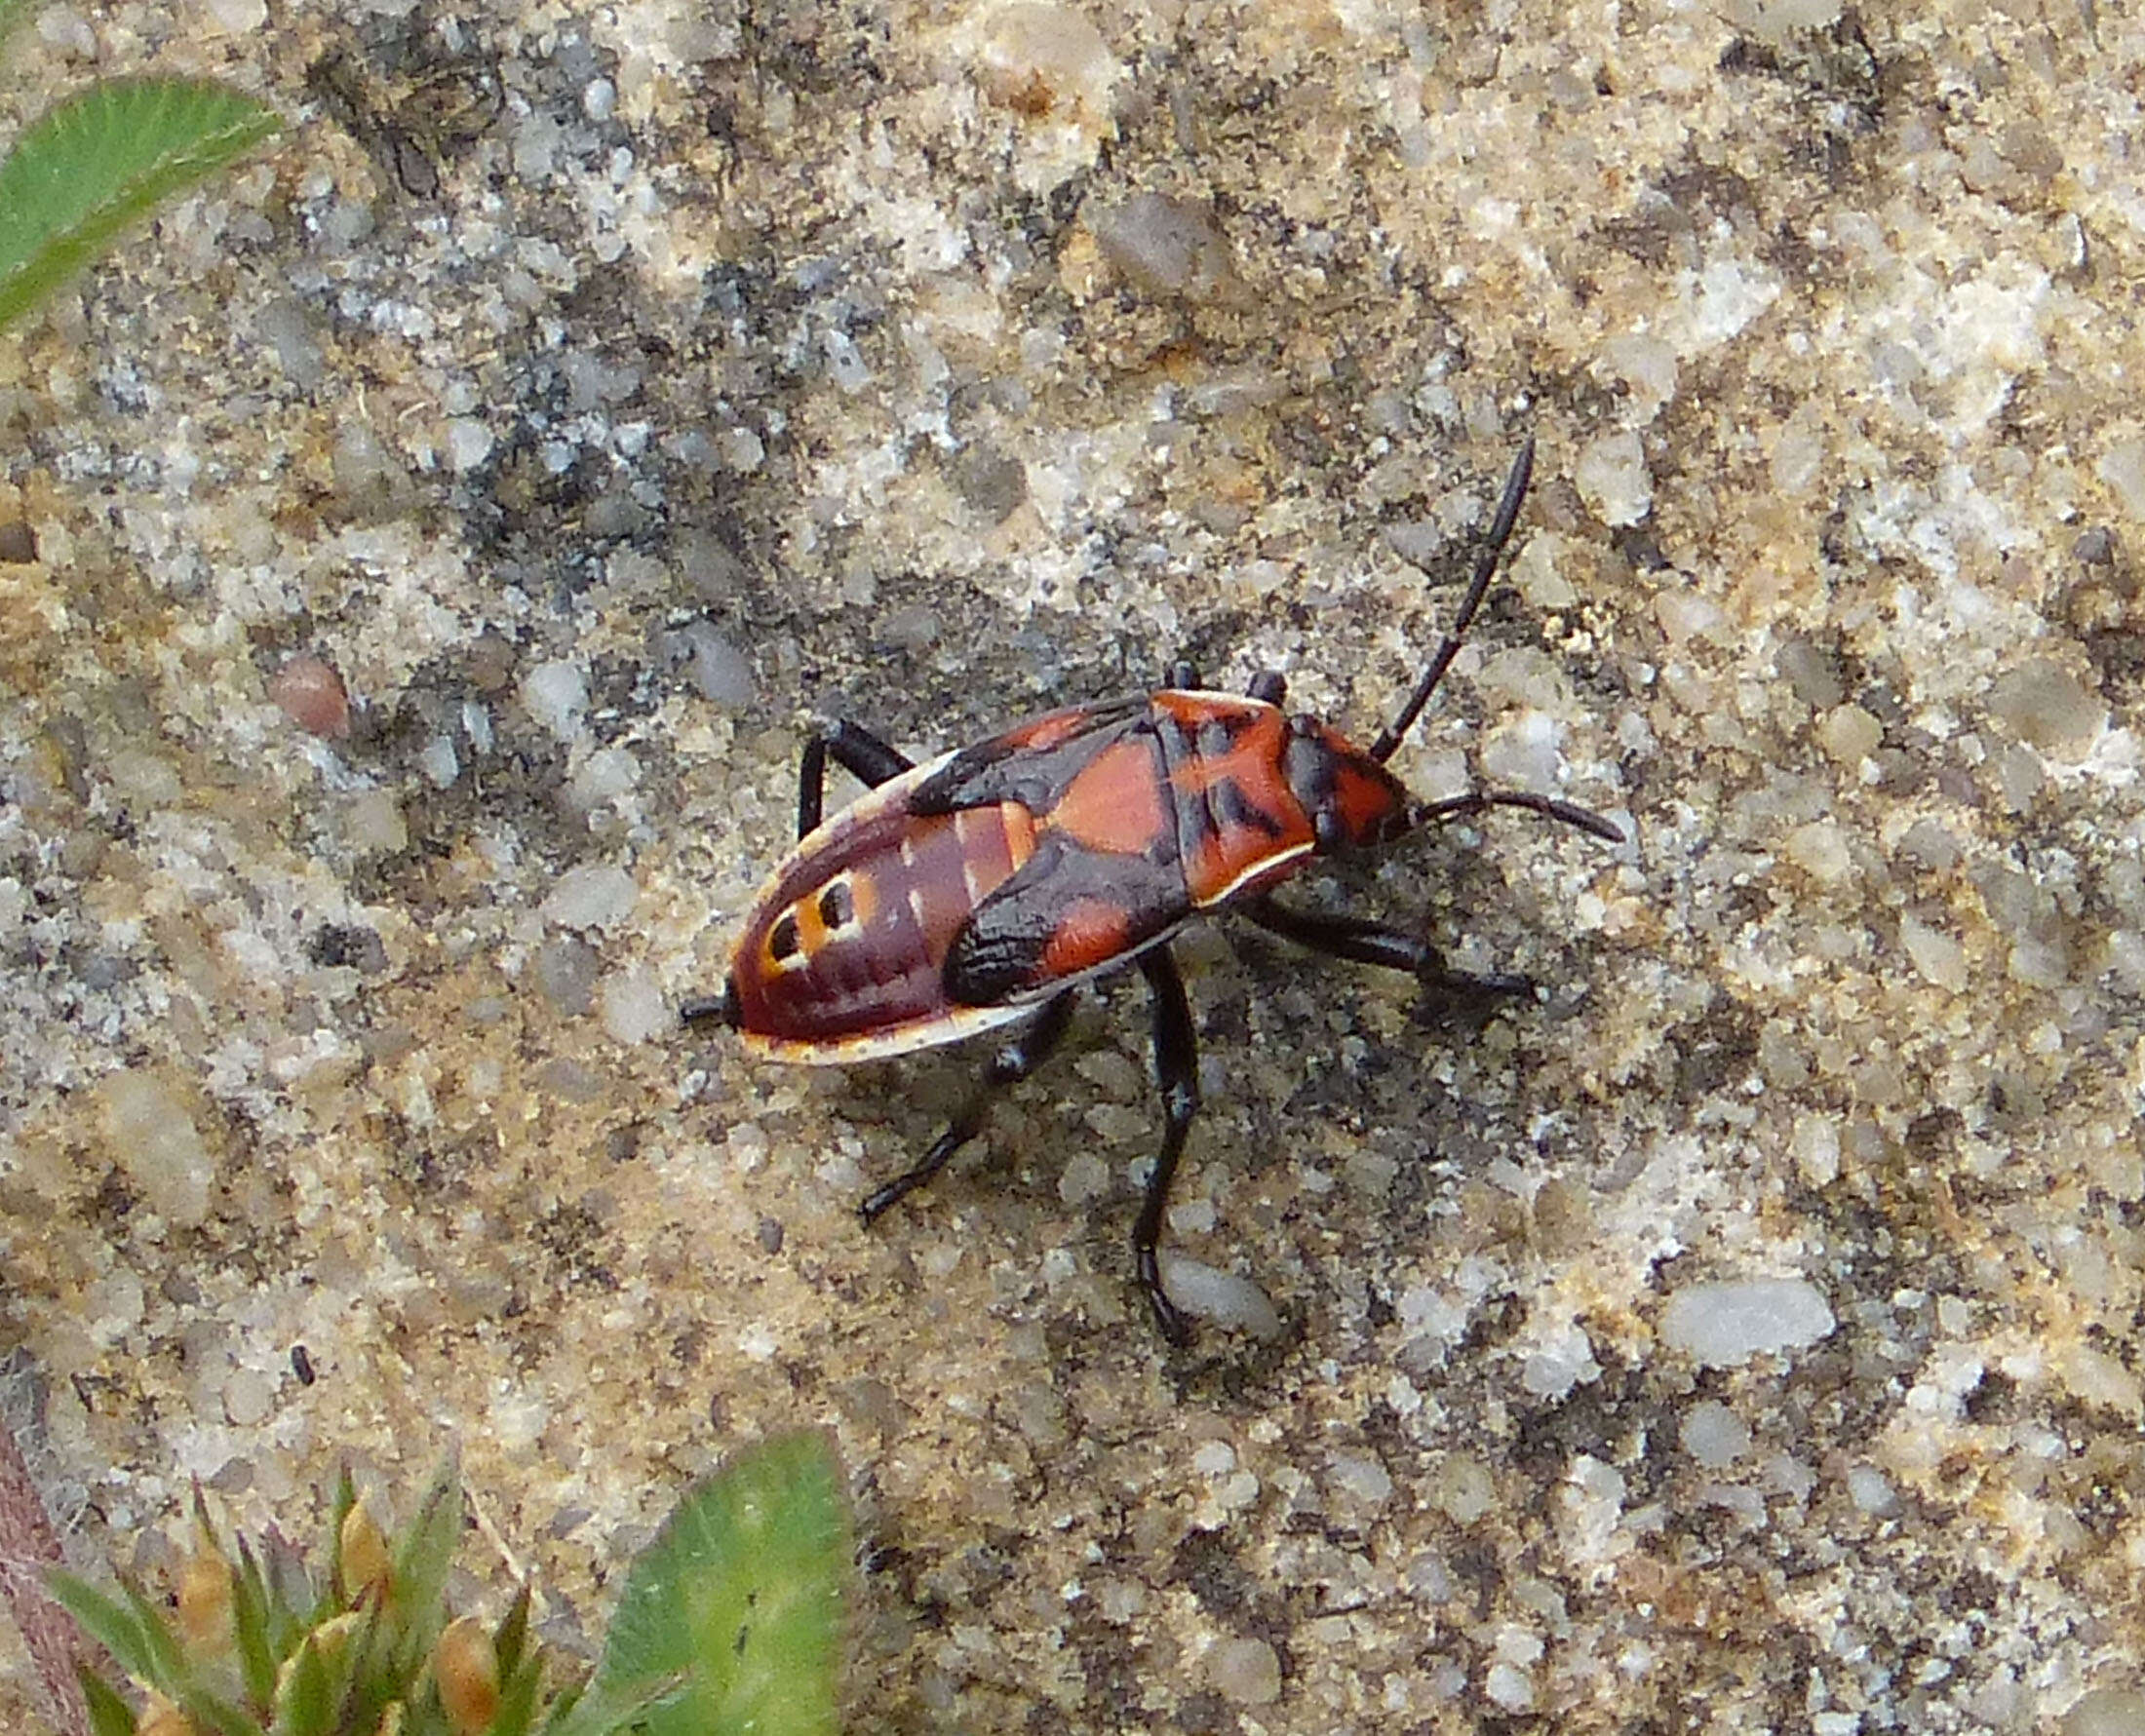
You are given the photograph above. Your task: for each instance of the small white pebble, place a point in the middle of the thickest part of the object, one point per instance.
(1166, 246)
(1714, 1435)
(2048, 706)
(845, 363)
(1820, 849)
(151, 1136)
(2106, 1711)
(1245, 1672)
(1214, 1458)
(1362, 1479)
(440, 762)
(1223, 1298)
(1816, 1146)
(468, 443)
(64, 28)
(1085, 1177)
(1870, 1489)
(1462, 1490)
(1613, 479)
(2123, 468)
(556, 695)
(373, 824)
(237, 16)
(720, 671)
(604, 776)
(600, 895)
(633, 1007)
(1512, 1688)
(248, 1397)
(1941, 959)
(1721, 1325)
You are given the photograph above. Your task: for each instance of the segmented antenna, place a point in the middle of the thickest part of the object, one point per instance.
(1486, 562)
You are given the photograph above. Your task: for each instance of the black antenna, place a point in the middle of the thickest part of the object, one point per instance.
(1493, 551)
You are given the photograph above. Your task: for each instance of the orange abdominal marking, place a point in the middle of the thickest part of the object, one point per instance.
(1020, 832)
(1115, 804)
(1091, 932)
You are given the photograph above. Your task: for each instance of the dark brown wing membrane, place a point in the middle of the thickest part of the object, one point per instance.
(1030, 764)
(1066, 911)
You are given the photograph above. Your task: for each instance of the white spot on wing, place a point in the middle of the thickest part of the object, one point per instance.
(961, 817)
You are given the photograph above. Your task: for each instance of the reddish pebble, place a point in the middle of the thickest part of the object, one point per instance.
(310, 693)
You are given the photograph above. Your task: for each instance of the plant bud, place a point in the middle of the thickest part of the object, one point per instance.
(367, 1565)
(204, 1603)
(466, 1668)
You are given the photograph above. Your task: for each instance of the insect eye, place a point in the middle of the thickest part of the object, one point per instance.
(783, 943)
(836, 905)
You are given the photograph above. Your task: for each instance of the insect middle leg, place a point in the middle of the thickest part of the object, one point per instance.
(1363, 942)
(1015, 1057)
(1177, 1070)
(856, 750)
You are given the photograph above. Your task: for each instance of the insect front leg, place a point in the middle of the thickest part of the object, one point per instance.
(1014, 1059)
(1177, 1069)
(1363, 942)
(856, 750)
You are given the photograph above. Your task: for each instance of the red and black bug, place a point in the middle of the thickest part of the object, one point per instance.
(977, 892)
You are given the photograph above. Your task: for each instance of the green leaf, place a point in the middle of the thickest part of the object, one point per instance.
(103, 160)
(110, 1714)
(167, 1667)
(335, 1596)
(512, 1636)
(742, 1594)
(250, 1628)
(605, 1710)
(212, 1712)
(111, 1624)
(517, 1692)
(424, 1555)
(303, 1708)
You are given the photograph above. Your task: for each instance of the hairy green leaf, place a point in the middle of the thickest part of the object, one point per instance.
(103, 160)
(110, 1714)
(741, 1593)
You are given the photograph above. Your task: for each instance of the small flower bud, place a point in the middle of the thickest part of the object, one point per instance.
(467, 1668)
(366, 1564)
(160, 1717)
(204, 1602)
(327, 1640)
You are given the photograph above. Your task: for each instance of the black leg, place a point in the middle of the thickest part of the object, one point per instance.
(856, 750)
(1182, 676)
(1015, 1057)
(1363, 942)
(1177, 1069)
(1271, 685)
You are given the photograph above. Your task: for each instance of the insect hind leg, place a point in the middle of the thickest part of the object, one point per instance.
(1177, 1070)
(1014, 1059)
(856, 750)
